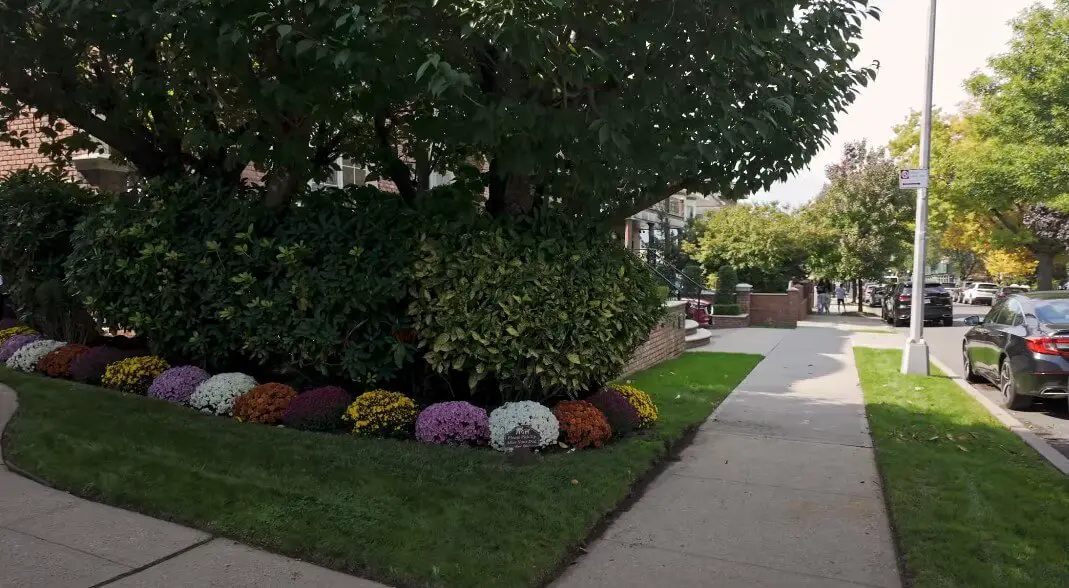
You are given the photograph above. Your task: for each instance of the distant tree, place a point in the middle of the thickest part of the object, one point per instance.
(1005, 264)
(865, 214)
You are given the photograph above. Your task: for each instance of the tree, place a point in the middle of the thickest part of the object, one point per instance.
(765, 244)
(963, 241)
(1014, 263)
(1005, 154)
(599, 108)
(865, 214)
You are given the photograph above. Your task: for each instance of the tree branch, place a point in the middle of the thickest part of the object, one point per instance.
(645, 200)
(395, 169)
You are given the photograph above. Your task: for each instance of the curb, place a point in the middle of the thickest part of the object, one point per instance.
(1056, 459)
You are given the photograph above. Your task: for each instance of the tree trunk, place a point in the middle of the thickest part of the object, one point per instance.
(281, 186)
(1045, 271)
(860, 297)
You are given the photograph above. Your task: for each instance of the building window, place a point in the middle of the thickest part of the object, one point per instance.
(348, 173)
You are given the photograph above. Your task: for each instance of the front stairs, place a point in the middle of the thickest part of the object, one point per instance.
(697, 336)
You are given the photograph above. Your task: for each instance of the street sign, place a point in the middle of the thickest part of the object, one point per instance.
(912, 179)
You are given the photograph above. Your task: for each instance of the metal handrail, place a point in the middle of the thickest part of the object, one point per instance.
(678, 273)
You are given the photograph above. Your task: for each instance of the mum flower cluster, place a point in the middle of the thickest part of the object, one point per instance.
(622, 416)
(133, 375)
(264, 403)
(88, 368)
(582, 424)
(318, 409)
(178, 383)
(218, 393)
(10, 332)
(27, 356)
(513, 414)
(58, 363)
(382, 413)
(454, 422)
(13, 343)
(647, 411)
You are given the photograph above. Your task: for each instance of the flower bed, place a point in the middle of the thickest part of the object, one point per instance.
(612, 412)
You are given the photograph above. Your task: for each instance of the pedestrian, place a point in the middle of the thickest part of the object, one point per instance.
(821, 294)
(840, 297)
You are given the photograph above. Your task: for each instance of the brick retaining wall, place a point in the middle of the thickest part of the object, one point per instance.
(667, 341)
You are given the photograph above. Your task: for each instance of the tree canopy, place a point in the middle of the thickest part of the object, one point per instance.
(599, 107)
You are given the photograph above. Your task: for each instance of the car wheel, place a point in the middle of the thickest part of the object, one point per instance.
(897, 322)
(1011, 399)
(948, 322)
(970, 375)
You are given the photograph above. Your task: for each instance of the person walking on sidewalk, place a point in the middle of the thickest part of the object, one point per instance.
(840, 298)
(822, 295)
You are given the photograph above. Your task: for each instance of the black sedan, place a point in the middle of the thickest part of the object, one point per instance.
(938, 308)
(1022, 346)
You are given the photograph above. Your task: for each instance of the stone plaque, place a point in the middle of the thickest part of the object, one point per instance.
(522, 437)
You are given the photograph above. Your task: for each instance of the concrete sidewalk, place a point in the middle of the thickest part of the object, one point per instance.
(779, 489)
(53, 539)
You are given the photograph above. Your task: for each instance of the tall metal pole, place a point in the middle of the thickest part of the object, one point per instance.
(915, 356)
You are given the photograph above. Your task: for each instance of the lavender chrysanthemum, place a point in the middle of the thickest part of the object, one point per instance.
(178, 383)
(13, 344)
(453, 422)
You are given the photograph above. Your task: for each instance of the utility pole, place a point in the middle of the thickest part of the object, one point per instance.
(915, 355)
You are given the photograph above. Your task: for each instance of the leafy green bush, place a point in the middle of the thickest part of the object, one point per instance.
(726, 281)
(38, 213)
(692, 280)
(540, 307)
(211, 276)
(726, 309)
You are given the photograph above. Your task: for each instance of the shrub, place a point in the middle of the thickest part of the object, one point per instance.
(647, 411)
(218, 393)
(319, 409)
(178, 383)
(58, 363)
(381, 413)
(453, 422)
(38, 213)
(10, 332)
(197, 269)
(26, 357)
(504, 419)
(265, 403)
(727, 309)
(693, 281)
(133, 375)
(539, 308)
(12, 344)
(619, 412)
(582, 424)
(89, 367)
(726, 281)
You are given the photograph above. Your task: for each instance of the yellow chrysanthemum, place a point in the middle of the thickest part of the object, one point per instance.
(133, 375)
(382, 413)
(647, 410)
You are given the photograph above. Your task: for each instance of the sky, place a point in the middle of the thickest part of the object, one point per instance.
(968, 32)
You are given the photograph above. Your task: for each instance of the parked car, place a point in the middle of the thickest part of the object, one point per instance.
(873, 294)
(981, 293)
(1022, 346)
(959, 293)
(1006, 291)
(938, 307)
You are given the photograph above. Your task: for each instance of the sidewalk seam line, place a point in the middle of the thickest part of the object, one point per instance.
(70, 547)
(745, 563)
(795, 488)
(154, 562)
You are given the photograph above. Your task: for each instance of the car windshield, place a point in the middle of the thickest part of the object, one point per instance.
(928, 289)
(987, 287)
(1052, 311)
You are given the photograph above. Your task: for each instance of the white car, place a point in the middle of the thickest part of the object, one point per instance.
(981, 293)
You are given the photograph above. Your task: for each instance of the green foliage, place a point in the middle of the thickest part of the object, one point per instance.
(208, 275)
(38, 213)
(540, 307)
(693, 280)
(863, 215)
(726, 281)
(604, 107)
(731, 308)
(766, 244)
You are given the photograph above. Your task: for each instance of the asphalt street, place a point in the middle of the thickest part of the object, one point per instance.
(1049, 419)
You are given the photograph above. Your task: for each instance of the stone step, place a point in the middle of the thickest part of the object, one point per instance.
(699, 338)
(691, 326)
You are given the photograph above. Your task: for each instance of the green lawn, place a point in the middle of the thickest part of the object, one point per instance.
(400, 512)
(972, 504)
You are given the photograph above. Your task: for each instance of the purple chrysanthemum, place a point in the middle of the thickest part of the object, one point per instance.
(13, 344)
(623, 417)
(454, 422)
(177, 383)
(89, 367)
(318, 409)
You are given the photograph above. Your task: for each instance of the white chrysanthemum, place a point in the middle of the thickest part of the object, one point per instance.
(27, 356)
(217, 393)
(513, 414)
